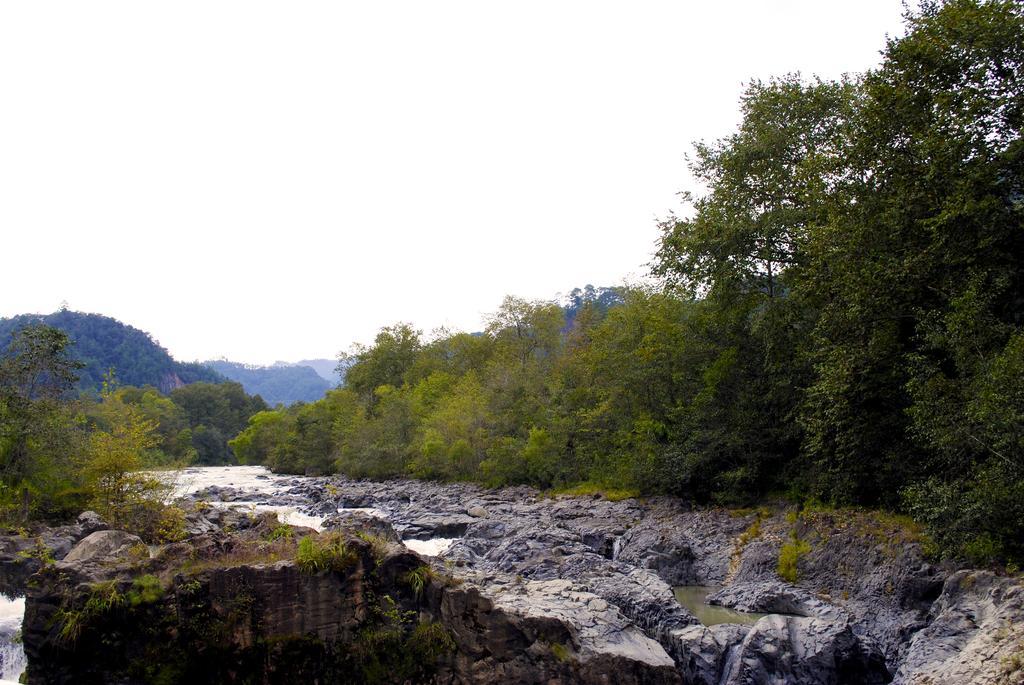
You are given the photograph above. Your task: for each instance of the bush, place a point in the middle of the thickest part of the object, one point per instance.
(979, 518)
(328, 552)
(789, 558)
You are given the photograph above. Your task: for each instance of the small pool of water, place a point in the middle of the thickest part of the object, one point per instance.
(693, 597)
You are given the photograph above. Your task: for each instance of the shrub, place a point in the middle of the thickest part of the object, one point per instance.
(327, 552)
(378, 545)
(281, 532)
(789, 557)
(977, 518)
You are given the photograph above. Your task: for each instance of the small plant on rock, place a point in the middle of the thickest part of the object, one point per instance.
(327, 552)
(418, 579)
(789, 556)
(281, 532)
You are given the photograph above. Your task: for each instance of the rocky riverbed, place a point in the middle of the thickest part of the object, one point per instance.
(528, 588)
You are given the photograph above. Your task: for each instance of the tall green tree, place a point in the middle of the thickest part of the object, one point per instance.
(917, 272)
(36, 370)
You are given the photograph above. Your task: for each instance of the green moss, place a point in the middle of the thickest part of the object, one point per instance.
(145, 589)
(590, 488)
(560, 651)
(40, 552)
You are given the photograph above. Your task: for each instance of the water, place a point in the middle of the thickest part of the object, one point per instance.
(12, 653)
(257, 482)
(369, 511)
(694, 597)
(430, 548)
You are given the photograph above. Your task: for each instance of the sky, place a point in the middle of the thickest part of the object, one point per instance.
(270, 181)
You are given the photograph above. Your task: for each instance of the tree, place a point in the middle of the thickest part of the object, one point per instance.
(216, 412)
(741, 255)
(115, 456)
(386, 362)
(36, 370)
(917, 272)
(767, 184)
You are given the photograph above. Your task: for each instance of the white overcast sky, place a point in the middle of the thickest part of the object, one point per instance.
(275, 180)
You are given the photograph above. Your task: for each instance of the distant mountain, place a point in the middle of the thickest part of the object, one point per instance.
(278, 384)
(102, 343)
(326, 368)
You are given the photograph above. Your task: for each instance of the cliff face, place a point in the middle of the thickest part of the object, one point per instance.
(207, 612)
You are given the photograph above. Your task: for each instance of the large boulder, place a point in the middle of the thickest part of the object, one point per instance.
(774, 597)
(90, 522)
(103, 544)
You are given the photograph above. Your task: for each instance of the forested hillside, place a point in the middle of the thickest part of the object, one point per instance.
(278, 384)
(837, 319)
(102, 343)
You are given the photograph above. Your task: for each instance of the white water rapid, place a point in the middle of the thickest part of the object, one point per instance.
(12, 654)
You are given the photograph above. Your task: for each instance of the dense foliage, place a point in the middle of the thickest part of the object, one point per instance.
(839, 317)
(61, 452)
(102, 343)
(278, 384)
(215, 412)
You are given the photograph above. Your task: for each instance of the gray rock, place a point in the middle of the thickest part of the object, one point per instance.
(976, 635)
(90, 522)
(103, 544)
(788, 649)
(773, 597)
(701, 652)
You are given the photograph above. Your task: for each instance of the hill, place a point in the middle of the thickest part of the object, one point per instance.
(326, 368)
(102, 343)
(277, 384)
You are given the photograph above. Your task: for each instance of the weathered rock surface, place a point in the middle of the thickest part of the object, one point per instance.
(976, 634)
(774, 597)
(792, 649)
(579, 589)
(701, 652)
(25, 552)
(102, 545)
(224, 620)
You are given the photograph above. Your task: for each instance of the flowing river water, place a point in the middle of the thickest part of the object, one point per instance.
(12, 656)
